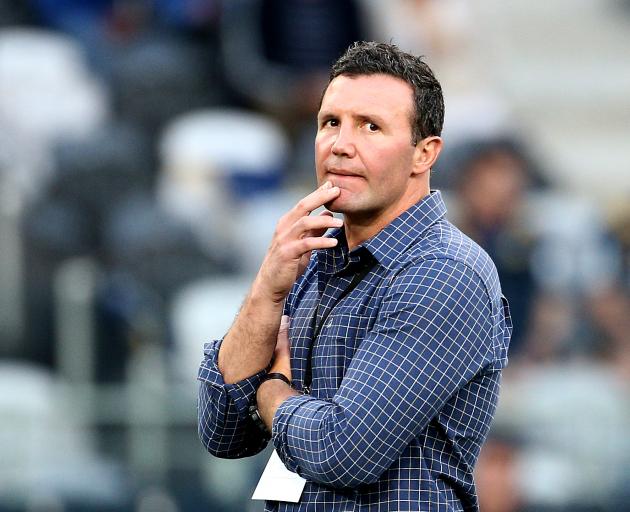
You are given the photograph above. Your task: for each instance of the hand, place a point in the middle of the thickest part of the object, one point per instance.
(296, 235)
(282, 353)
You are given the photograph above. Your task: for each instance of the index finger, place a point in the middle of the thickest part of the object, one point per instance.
(317, 198)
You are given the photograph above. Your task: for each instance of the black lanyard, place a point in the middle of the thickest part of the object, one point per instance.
(356, 279)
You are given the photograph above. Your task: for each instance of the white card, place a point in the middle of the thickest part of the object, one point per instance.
(277, 483)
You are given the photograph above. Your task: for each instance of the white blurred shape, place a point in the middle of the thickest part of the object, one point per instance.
(572, 256)
(223, 139)
(201, 312)
(46, 90)
(574, 422)
(255, 223)
(45, 449)
(203, 154)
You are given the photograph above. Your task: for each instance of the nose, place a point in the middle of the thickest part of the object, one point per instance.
(343, 144)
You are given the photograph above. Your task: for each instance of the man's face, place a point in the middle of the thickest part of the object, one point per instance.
(502, 177)
(363, 146)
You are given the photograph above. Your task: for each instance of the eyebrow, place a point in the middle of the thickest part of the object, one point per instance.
(325, 114)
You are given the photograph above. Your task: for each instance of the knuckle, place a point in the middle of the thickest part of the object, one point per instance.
(305, 245)
(284, 252)
(307, 222)
(280, 227)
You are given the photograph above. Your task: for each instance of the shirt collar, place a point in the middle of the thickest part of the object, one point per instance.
(395, 238)
(392, 241)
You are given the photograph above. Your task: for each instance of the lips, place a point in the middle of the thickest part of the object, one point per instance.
(343, 172)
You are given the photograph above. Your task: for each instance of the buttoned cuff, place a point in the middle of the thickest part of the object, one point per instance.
(241, 393)
(294, 418)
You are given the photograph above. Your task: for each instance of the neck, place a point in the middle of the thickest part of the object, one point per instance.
(357, 233)
(360, 227)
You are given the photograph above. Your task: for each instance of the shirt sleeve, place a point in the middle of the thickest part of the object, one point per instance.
(225, 428)
(432, 335)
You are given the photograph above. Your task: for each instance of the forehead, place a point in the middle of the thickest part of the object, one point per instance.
(378, 93)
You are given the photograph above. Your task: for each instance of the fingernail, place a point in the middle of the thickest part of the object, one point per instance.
(284, 322)
(326, 185)
(337, 222)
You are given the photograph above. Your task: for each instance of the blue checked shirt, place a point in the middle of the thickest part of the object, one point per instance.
(405, 373)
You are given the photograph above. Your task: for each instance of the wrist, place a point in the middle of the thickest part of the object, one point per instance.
(263, 288)
(276, 375)
(270, 394)
(263, 294)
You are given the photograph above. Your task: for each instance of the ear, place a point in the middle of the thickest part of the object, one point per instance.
(426, 153)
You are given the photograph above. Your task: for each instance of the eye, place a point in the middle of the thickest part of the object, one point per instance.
(373, 127)
(332, 122)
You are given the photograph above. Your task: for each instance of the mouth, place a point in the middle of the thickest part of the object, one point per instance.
(343, 172)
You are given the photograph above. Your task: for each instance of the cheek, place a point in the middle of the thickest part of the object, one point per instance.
(323, 143)
(389, 165)
(320, 153)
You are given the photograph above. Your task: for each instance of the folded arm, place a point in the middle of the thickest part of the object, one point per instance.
(223, 423)
(433, 334)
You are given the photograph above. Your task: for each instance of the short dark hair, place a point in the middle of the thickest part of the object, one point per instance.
(370, 58)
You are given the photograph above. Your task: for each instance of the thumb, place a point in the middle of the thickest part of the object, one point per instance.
(282, 341)
(284, 324)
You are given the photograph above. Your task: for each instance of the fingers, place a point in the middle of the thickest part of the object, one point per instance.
(327, 192)
(337, 223)
(314, 226)
(296, 248)
(306, 234)
(298, 232)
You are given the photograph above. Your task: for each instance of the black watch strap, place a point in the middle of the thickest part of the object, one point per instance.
(253, 408)
(275, 375)
(254, 415)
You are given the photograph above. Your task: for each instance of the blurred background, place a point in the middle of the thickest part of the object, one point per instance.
(147, 148)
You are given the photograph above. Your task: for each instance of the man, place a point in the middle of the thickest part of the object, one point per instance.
(382, 390)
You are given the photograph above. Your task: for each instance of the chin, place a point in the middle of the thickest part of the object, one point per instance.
(343, 207)
(345, 202)
(334, 206)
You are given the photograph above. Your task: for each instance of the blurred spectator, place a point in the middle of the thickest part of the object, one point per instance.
(571, 419)
(102, 26)
(558, 266)
(492, 182)
(188, 15)
(277, 55)
(560, 270)
(497, 474)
